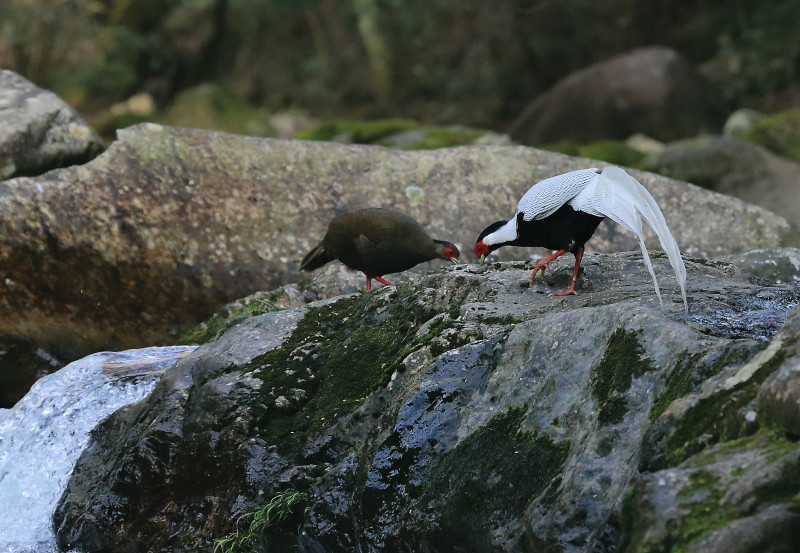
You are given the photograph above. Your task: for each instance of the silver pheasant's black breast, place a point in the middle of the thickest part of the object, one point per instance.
(565, 229)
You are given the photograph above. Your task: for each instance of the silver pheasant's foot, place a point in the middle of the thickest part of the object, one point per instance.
(568, 292)
(544, 267)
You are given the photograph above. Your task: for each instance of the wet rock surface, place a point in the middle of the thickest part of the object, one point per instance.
(169, 224)
(464, 411)
(39, 131)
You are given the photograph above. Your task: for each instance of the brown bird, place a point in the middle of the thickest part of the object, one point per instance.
(377, 242)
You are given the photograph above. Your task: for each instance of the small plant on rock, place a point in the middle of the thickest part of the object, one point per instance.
(282, 506)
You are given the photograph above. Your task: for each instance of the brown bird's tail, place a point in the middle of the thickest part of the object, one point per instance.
(315, 259)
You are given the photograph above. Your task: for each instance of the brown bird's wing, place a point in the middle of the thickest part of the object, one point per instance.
(379, 241)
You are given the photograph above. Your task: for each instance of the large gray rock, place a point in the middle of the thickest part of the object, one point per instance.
(649, 90)
(736, 168)
(38, 131)
(169, 224)
(462, 411)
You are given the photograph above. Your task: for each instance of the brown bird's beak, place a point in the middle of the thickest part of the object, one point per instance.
(481, 259)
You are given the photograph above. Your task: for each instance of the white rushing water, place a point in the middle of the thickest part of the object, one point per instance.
(43, 435)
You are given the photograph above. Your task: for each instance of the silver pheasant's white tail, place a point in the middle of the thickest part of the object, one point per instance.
(617, 195)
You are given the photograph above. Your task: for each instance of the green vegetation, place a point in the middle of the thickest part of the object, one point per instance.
(473, 480)
(471, 62)
(281, 509)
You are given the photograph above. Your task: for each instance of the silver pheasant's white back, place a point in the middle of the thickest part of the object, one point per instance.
(545, 197)
(617, 195)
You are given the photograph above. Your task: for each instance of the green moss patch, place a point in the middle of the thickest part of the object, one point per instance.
(779, 133)
(622, 361)
(359, 132)
(716, 418)
(613, 151)
(610, 151)
(492, 474)
(701, 505)
(694, 370)
(445, 137)
(337, 355)
(220, 322)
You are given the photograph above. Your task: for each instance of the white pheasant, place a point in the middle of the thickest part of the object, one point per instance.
(561, 213)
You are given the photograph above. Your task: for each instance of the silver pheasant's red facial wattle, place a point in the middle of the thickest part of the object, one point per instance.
(481, 250)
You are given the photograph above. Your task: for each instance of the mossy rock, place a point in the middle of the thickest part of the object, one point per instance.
(228, 316)
(339, 354)
(751, 482)
(472, 481)
(212, 106)
(432, 138)
(611, 151)
(358, 132)
(779, 133)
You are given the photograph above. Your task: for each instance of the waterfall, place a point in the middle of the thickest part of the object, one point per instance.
(43, 435)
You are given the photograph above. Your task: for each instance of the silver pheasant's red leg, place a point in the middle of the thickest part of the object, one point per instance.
(369, 284)
(543, 265)
(379, 279)
(571, 289)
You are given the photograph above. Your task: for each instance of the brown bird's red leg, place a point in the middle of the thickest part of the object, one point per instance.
(571, 289)
(379, 279)
(543, 265)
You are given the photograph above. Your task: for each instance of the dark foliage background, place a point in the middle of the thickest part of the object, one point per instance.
(441, 61)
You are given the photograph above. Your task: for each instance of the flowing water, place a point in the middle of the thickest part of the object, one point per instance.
(43, 435)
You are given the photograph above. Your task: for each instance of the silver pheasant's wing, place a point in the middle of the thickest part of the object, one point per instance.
(620, 197)
(545, 197)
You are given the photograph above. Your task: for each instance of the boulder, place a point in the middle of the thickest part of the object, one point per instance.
(38, 131)
(461, 411)
(169, 224)
(649, 90)
(736, 168)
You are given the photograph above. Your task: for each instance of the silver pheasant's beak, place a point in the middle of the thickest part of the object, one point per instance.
(455, 260)
(482, 258)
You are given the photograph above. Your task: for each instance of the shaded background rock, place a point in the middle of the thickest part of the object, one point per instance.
(169, 224)
(737, 168)
(780, 265)
(39, 131)
(485, 416)
(649, 90)
(22, 362)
